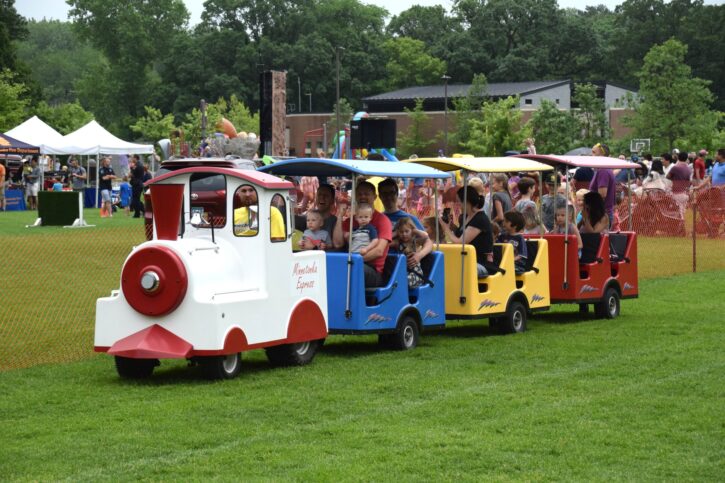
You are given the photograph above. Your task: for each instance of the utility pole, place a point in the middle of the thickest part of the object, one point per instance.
(337, 104)
(309, 96)
(299, 94)
(445, 78)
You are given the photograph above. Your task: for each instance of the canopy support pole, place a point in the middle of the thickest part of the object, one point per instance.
(462, 297)
(348, 311)
(629, 195)
(437, 214)
(566, 225)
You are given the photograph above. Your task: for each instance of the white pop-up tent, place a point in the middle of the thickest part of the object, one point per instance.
(95, 139)
(34, 131)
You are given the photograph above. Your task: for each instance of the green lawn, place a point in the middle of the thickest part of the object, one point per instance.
(51, 277)
(636, 398)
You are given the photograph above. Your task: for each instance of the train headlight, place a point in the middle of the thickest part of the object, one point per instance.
(150, 281)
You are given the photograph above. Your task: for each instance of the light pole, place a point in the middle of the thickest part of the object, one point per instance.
(299, 94)
(337, 104)
(445, 78)
(309, 96)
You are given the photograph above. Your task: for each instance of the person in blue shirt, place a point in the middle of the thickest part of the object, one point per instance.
(717, 175)
(513, 225)
(388, 193)
(125, 196)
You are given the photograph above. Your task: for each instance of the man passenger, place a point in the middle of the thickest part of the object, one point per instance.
(325, 202)
(374, 258)
(388, 192)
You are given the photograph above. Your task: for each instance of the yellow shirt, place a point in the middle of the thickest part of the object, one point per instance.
(245, 226)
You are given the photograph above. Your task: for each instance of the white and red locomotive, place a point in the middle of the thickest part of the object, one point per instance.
(205, 289)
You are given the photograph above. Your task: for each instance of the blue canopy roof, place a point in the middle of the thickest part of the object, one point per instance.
(344, 167)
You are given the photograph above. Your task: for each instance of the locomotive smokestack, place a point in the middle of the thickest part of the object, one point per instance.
(167, 201)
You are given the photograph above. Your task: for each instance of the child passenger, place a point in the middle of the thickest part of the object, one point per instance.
(314, 234)
(513, 225)
(409, 240)
(560, 227)
(365, 237)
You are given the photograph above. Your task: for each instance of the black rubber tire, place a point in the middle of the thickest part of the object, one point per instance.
(515, 319)
(495, 325)
(609, 306)
(221, 367)
(297, 354)
(407, 335)
(129, 368)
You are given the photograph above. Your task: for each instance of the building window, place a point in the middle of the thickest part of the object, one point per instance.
(557, 101)
(528, 101)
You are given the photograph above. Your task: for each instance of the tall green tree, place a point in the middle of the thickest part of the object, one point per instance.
(58, 58)
(13, 103)
(65, 117)
(591, 114)
(556, 131)
(466, 110)
(410, 65)
(132, 34)
(673, 104)
(499, 130)
(154, 125)
(414, 140)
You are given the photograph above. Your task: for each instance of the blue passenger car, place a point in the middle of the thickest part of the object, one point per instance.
(394, 311)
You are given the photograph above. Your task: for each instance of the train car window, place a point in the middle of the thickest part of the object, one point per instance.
(208, 196)
(278, 219)
(246, 211)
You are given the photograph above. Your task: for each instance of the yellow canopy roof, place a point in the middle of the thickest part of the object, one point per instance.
(483, 165)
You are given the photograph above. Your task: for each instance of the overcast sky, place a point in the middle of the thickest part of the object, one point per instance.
(58, 9)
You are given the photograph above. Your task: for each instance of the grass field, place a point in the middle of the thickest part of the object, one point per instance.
(51, 277)
(636, 398)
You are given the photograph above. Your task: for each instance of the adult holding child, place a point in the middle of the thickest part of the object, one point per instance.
(374, 257)
(475, 229)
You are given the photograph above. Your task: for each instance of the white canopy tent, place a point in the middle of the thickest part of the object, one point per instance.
(36, 132)
(95, 139)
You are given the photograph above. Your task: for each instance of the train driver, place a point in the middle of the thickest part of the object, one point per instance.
(246, 216)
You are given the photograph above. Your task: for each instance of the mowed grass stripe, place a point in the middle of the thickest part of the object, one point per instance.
(636, 398)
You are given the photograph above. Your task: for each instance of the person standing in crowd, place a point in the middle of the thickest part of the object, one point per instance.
(530, 147)
(603, 182)
(137, 175)
(106, 177)
(32, 184)
(717, 175)
(680, 176)
(698, 168)
(666, 162)
(77, 176)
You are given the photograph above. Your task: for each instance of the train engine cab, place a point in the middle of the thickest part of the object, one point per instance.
(218, 278)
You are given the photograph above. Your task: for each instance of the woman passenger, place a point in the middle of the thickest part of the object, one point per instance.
(594, 216)
(501, 198)
(474, 230)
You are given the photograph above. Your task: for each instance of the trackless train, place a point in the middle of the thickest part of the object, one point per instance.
(210, 285)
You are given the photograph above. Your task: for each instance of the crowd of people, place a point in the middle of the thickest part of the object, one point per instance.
(35, 174)
(499, 208)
